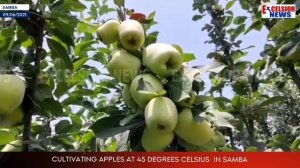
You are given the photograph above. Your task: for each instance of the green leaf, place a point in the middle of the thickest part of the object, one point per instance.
(104, 9)
(51, 107)
(280, 141)
(230, 4)
(119, 3)
(76, 121)
(296, 144)
(239, 19)
(215, 67)
(197, 17)
(283, 26)
(239, 30)
(272, 100)
(78, 77)
(6, 42)
(181, 85)
(228, 20)
(257, 25)
(84, 27)
(187, 57)
(221, 119)
(43, 92)
(259, 65)
(63, 126)
(70, 5)
(59, 51)
(245, 5)
(7, 136)
(79, 63)
(146, 87)
(87, 137)
(251, 149)
(85, 45)
(110, 126)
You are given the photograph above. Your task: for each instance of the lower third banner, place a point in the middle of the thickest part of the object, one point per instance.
(151, 160)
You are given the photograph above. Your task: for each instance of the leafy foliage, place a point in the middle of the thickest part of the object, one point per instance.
(77, 106)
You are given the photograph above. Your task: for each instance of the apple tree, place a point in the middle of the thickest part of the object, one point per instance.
(78, 81)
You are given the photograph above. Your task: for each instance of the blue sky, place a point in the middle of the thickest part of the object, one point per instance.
(175, 25)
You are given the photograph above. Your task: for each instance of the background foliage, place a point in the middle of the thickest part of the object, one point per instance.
(72, 104)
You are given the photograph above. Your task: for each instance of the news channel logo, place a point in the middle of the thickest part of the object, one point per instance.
(283, 11)
(14, 11)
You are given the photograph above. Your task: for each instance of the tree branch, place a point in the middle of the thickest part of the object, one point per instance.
(31, 91)
(33, 27)
(230, 134)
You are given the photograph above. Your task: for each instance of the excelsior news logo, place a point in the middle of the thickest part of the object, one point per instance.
(278, 11)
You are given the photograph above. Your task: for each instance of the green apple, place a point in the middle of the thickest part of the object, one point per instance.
(193, 132)
(108, 32)
(12, 90)
(11, 119)
(161, 115)
(14, 146)
(131, 34)
(219, 139)
(128, 100)
(162, 59)
(124, 66)
(153, 142)
(243, 80)
(145, 87)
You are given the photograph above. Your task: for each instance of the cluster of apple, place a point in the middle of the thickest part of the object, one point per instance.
(12, 90)
(143, 78)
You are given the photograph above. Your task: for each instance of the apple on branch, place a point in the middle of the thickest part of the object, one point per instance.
(145, 87)
(193, 132)
(162, 59)
(131, 34)
(124, 66)
(128, 100)
(161, 115)
(154, 142)
(12, 118)
(14, 146)
(108, 32)
(12, 90)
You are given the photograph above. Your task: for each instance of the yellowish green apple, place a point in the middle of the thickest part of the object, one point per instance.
(124, 66)
(12, 90)
(128, 100)
(162, 59)
(219, 139)
(161, 115)
(131, 34)
(145, 87)
(243, 80)
(14, 146)
(193, 132)
(153, 142)
(12, 118)
(108, 32)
